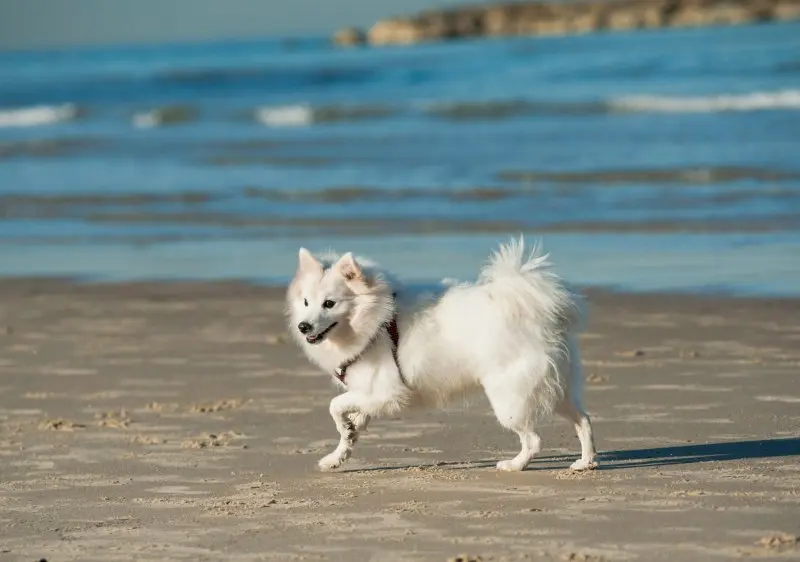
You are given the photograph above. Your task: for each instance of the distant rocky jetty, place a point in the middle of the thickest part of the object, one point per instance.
(583, 16)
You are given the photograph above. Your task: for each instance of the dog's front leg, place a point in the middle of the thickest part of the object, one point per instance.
(347, 410)
(360, 420)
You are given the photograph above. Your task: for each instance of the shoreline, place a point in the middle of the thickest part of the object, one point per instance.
(745, 266)
(198, 289)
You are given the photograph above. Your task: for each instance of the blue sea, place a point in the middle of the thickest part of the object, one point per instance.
(661, 160)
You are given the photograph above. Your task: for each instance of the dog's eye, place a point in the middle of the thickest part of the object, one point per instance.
(305, 302)
(328, 304)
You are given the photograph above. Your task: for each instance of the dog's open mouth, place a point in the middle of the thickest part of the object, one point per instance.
(321, 336)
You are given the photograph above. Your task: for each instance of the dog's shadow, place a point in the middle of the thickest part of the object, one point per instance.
(638, 458)
(691, 454)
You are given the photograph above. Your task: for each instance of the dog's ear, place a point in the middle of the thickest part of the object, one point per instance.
(307, 262)
(348, 267)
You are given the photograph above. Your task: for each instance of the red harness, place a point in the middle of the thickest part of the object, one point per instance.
(391, 328)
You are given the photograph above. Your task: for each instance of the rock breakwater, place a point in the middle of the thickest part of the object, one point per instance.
(548, 18)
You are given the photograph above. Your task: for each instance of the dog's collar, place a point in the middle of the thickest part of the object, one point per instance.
(391, 328)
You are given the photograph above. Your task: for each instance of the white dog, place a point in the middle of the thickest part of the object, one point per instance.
(512, 333)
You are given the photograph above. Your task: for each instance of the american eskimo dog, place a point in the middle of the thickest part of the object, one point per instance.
(511, 333)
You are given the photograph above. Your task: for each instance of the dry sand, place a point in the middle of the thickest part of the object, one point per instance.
(173, 422)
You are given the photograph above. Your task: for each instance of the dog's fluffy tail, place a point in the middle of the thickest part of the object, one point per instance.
(529, 277)
(510, 260)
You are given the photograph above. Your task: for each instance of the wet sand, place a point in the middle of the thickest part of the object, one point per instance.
(174, 422)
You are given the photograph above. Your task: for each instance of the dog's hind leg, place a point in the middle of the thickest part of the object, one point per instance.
(571, 409)
(583, 427)
(530, 445)
(515, 411)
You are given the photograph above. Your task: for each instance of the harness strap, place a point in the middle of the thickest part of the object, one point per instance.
(394, 334)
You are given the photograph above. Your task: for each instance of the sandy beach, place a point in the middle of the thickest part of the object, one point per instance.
(175, 422)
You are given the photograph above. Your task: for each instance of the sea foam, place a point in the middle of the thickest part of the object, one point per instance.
(36, 116)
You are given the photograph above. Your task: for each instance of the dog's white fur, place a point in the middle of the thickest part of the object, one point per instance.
(512, 333)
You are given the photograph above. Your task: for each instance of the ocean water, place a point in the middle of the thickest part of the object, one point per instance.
(653, 161)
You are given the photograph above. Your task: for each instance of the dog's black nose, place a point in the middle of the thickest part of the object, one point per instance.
(304, 327)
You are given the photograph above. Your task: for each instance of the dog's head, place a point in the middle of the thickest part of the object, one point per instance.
(336, 298)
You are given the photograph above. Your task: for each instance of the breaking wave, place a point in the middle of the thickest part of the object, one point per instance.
(303, 115)
(783, 99)
(306, 115)
(36, 116)
(285, 116)
(503, 109)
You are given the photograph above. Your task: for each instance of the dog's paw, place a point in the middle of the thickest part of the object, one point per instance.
(329, 462)
(583, 464)
(510, 466)
(332, 461)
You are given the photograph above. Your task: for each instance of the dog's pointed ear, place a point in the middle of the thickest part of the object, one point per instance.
(348, 267)
(307, 262)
